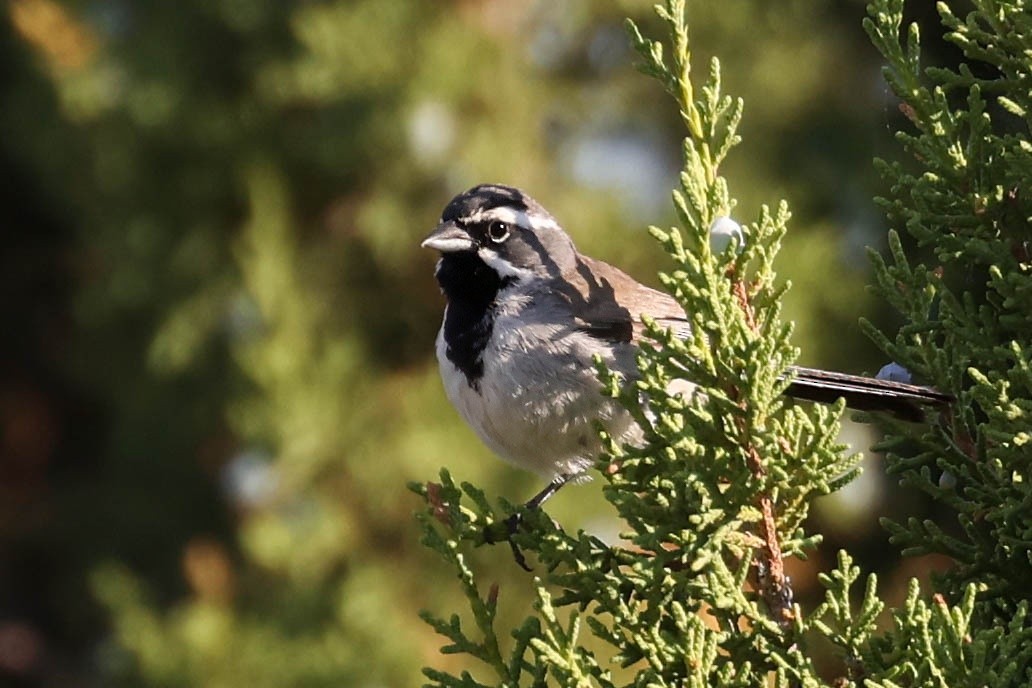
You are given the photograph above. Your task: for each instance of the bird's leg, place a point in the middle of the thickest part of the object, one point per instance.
(551, 488)
(513, 522)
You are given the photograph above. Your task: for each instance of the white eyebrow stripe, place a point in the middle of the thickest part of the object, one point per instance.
(513, 216)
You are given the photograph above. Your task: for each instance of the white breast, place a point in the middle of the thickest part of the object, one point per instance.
(538, 399)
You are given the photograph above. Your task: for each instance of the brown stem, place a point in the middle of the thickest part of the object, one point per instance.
(776, 587)
(774, 584)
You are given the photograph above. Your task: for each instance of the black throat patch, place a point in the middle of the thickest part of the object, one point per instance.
(471, 288)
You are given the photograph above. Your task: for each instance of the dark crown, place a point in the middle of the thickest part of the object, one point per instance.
(488, 196)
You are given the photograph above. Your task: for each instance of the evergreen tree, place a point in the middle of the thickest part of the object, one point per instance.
(715, 500)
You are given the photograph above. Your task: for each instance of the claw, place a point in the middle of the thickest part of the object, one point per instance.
(512, 524)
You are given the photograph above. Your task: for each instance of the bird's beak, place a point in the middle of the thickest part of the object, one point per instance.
(449, 238)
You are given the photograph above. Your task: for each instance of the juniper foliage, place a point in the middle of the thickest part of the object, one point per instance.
(715, 499)
(967, 303)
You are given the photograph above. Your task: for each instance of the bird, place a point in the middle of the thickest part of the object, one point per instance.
(526, 315)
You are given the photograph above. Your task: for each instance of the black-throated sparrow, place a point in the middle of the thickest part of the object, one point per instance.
(525, 316)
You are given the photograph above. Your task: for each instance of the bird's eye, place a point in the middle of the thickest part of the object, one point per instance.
(498, 231)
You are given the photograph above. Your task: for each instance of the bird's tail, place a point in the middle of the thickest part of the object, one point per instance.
(902, 400)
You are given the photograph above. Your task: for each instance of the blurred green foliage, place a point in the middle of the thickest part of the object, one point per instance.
(218, 324)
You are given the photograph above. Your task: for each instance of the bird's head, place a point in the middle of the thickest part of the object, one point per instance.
(507, 230)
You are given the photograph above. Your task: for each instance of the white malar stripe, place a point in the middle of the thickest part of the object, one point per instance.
(503, 267)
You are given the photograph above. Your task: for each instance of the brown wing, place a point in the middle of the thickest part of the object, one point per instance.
(608, 304)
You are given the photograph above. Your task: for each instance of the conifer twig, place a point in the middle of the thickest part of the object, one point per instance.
(774, 584)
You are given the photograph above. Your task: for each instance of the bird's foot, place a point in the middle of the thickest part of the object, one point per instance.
(509, 527)
(505, 530)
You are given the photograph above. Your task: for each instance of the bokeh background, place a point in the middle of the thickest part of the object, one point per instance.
(216, 323)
